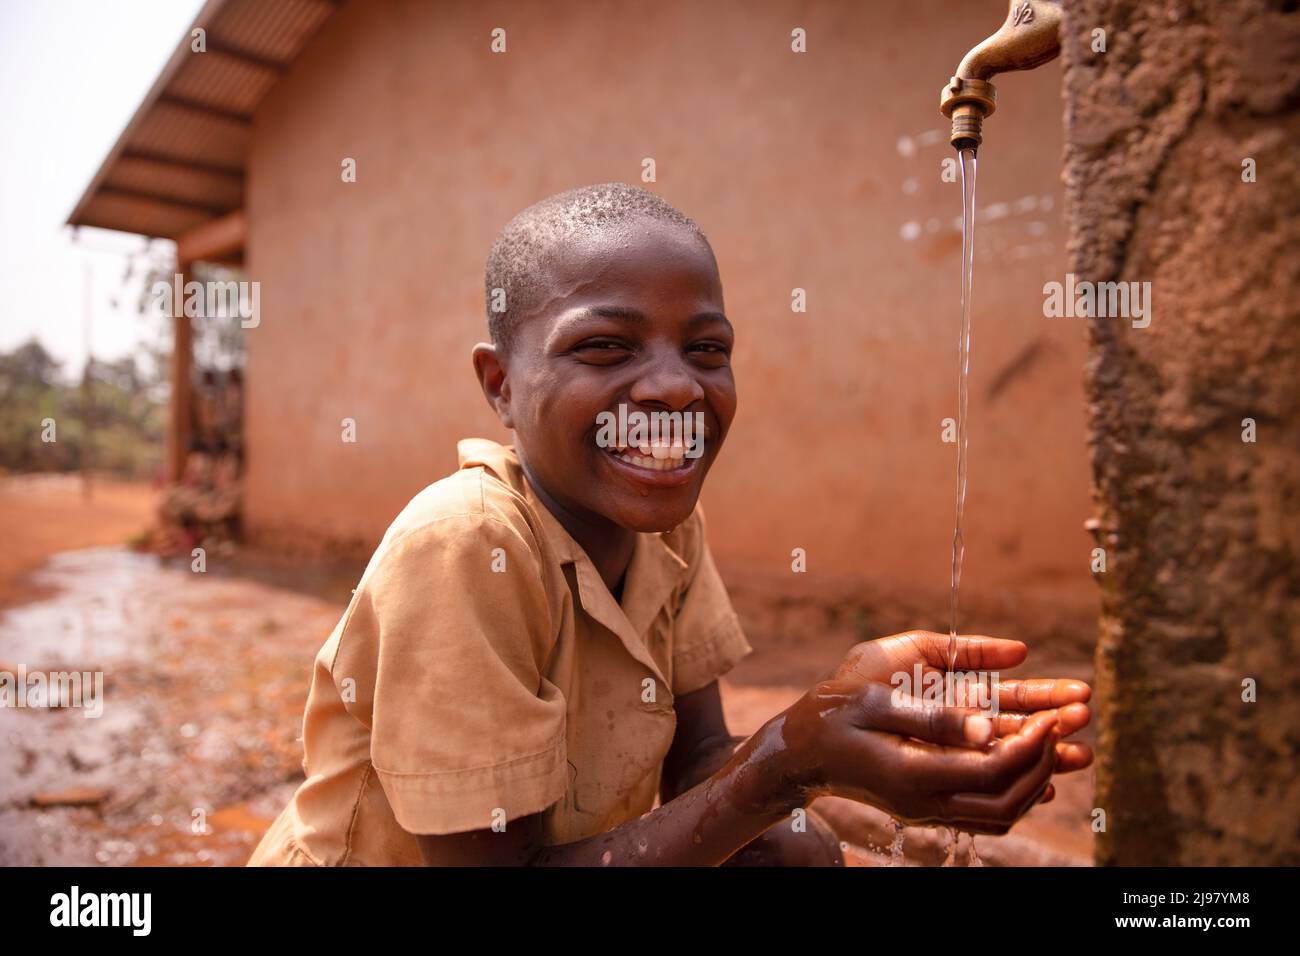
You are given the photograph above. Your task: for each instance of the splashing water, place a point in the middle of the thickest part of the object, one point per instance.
(963, 377)
(954, 836)
(896, 846)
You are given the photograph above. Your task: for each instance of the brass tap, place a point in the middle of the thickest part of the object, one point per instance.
(1030, 37)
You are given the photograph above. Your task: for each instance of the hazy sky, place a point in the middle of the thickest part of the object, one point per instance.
(71, 74)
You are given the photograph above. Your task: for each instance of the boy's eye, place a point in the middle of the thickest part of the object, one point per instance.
(711, 353)
(601, 351)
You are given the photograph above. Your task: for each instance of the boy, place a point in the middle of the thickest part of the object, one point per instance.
(532, 654)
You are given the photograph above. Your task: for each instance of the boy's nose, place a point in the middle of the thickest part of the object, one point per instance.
(667, 382)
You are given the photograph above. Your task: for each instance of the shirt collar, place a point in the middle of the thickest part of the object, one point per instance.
(652, 577)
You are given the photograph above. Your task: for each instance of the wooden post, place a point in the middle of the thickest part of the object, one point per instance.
(87, 388)
(215, 240)
(181, 408)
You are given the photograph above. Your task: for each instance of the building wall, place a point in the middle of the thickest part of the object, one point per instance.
(817, 170)
(1201, 528)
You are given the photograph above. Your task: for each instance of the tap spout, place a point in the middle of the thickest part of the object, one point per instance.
(1029, 37)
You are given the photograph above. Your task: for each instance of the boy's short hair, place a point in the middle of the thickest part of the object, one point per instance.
(520, 253)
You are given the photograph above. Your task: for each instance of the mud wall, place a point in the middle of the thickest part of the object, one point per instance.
(1201, 528)
(819, 171)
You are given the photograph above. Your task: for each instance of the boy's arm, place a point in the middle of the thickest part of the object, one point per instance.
(701, 746)
(702, 827)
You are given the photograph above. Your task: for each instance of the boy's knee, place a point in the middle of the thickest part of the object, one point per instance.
(816, 845)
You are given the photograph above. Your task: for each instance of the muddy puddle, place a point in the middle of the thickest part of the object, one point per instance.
(196, 749)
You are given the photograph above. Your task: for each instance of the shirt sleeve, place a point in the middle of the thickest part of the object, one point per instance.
(708, 638)
(447, 643)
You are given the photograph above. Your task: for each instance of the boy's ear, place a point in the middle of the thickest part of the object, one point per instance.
(491, 372)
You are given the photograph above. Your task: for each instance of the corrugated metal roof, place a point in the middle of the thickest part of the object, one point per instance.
(180, 161)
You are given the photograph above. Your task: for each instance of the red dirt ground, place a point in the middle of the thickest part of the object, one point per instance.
(45, 514)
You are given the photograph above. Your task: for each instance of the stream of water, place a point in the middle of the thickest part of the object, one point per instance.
(958, 542)
(963, 435)
(963, 378)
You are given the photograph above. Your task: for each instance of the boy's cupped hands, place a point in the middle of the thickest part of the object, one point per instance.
(869, 733)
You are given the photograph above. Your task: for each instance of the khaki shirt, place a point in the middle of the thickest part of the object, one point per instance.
(484, 672)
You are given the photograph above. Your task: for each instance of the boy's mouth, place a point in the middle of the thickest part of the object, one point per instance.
(662, 464)
(656, 456)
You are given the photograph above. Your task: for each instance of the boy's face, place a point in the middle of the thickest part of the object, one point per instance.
(631, 316)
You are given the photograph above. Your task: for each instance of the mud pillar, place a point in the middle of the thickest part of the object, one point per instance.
(1183, 170)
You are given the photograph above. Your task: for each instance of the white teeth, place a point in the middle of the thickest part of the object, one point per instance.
(663, 454)
(651, 462)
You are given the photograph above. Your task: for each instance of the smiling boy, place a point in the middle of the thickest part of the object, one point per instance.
(531, 657)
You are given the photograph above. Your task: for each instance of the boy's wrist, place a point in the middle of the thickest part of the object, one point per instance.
(769, 776)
